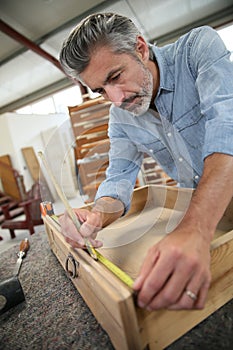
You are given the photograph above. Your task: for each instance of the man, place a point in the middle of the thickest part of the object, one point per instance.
(175, 103)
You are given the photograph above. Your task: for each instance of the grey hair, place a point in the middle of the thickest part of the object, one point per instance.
(97, 30)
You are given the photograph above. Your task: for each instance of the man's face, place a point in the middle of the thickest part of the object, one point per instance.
(121, 78)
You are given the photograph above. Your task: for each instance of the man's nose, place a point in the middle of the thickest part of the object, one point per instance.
(115, 94)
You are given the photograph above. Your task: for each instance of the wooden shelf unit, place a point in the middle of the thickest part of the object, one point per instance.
(90, 127)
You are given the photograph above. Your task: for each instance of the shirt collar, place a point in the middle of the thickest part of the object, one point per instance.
(166, 78)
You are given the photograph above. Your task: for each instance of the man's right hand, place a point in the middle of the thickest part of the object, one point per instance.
(105, 211)
(90, 225)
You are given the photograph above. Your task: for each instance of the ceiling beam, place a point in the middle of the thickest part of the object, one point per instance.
(5, 28)
(71, 23)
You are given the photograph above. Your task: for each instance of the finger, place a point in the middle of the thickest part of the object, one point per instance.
(91, 225)
(145, 269)
(194, 295)
(69, 230)
(96, 243)
(89, 231)
(173, 289)
(203, 295)
(156, 279)
(81, 214)
(186, 302)
(75, 244)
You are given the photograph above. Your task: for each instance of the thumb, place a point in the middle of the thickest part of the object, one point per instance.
(88, 230)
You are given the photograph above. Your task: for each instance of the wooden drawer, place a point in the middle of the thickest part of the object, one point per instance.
(155, 210)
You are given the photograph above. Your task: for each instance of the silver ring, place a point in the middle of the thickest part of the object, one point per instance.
(191, 294)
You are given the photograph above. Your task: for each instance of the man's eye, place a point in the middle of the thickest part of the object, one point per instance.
(99, 91)
(116, 77)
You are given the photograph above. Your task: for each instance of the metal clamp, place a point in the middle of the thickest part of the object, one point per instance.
(74, 264)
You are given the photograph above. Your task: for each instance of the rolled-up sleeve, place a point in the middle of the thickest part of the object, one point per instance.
(124, 165)
(210, 61)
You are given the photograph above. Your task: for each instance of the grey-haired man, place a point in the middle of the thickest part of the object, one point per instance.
(175, 103)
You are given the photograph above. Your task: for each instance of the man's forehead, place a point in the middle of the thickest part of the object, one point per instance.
(103, 65)
(102, 80)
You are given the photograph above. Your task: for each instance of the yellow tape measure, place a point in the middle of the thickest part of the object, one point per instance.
(124, 277)
(115, 269)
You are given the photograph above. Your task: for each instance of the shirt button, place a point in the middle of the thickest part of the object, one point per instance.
(180, 159)
(169, 134)
(196, 177)
(151, 151)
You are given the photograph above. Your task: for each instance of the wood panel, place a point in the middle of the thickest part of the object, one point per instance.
(32, 162)
(6, 159)
(12, 181)
(110, 302)
(154, 212)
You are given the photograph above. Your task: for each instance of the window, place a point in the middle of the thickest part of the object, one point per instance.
(56, 103)
(45, 106)
(68, 97)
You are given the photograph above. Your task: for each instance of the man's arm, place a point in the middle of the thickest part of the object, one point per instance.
(213, 193)
(108, 209)
(181, 261)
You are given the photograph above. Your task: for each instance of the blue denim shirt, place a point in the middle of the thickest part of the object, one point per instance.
(194, 119)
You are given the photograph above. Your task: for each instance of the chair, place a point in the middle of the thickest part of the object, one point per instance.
(9, 207)
(30, 208)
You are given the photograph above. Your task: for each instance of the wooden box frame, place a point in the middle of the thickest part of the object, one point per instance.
(112, 302)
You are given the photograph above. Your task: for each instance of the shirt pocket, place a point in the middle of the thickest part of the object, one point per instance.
(157, 150)
(191, 126)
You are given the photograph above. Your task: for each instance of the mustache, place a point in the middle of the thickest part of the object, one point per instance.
(129, 100)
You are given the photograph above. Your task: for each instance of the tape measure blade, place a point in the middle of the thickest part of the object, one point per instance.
(109, 265)
(123, 276)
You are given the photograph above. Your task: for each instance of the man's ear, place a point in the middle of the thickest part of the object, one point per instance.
(142, 49)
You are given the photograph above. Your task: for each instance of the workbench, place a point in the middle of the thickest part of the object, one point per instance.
(55, 315)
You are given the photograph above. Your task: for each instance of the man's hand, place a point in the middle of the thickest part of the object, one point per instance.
(90, 225)
(105, 211)
(175, 273)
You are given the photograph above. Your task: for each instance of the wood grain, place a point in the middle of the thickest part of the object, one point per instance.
(154, 212)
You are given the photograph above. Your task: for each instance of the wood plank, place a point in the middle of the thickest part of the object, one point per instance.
(161, 328)
(11, 180)
(6, 159)
(100, 274)
(32, 162)
(88, 103)
(109, 299)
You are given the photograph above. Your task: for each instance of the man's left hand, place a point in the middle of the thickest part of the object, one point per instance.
(176, 272)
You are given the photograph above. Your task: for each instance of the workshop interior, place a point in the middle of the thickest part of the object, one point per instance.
(54, 153)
